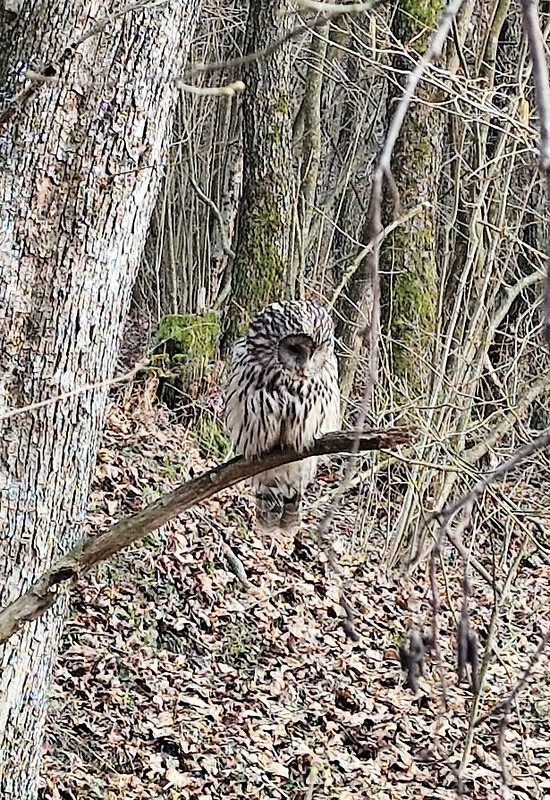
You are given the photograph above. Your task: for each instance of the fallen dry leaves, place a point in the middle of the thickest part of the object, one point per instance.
(177, 681)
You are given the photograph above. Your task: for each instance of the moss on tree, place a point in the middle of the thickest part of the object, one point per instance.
(259, 267)
(186, 345)
(409, 255)
(416, 20)
(189, 337)
(264, 219)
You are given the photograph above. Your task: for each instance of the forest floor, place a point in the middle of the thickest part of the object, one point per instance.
(177, 681)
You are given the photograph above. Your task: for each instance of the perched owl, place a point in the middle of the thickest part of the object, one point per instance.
(283, 392)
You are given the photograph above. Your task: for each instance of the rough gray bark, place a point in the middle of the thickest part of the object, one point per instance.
(78, 179)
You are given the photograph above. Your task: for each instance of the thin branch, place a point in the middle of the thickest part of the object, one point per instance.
(540, 78)
(229, 90)
(93, 549)
(371, 331)
(260, 55)
(365, 251)
(535, 38)
(436, 613)
(504, 706)
(88, 387)
(489, 646)
(525, 451)
(226, 246)
(383, 172)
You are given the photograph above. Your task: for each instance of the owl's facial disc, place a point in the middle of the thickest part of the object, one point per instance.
(295, 353)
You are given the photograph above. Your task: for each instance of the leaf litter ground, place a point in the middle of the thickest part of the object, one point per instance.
(177, 680)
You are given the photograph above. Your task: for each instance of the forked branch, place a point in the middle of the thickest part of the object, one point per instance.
(91, 550)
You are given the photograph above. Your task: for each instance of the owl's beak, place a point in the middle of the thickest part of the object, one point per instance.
(303, 372)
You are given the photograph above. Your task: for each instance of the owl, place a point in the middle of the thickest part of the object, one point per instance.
(283, 392)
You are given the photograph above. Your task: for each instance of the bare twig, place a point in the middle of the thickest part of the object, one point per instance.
(93, 549)
(489, 645)
(504, 706)
(260, 55)
(226, 246)
(436, 613)
(535, 38)
(525, 451)
(365, 251)
(236, 566)
(229, 90)
(371, 332)
(444, 515)
(383, 172)
(88, 387)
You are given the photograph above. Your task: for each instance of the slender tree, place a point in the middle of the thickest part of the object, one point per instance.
(81, 143)
(409, 255)
(264, 219)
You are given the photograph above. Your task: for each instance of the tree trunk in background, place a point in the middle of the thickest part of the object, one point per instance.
(310, 155)
(409, 255)
(264, 219)
(78, 183)
(352, 220)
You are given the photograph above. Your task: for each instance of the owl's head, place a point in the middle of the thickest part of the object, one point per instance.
(297, 336)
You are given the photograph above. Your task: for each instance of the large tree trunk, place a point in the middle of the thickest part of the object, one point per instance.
(264, 219)
(79, 177)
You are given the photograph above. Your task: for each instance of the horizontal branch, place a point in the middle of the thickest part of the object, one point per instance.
(91, 550)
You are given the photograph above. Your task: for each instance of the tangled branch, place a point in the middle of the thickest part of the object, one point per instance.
(531, 25)
(91, 550)
(383, 172)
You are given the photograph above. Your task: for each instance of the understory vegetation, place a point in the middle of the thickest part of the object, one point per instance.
(175, 680)
(180, 678)
(167, 170)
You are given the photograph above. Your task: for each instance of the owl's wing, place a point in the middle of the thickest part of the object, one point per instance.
(252, 410)
(331, 415)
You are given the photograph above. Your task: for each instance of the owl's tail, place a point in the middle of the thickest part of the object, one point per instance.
(274, 510)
